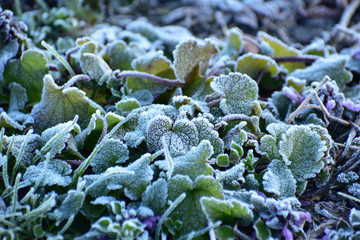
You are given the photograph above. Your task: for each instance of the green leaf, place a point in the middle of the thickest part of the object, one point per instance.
(234, 43)
(8, 122)
(269, 144)
(280, 49)
(252, 64)
(333, 66)
(94, 66)
(188, 214)
(155, 196)
(121, 55)
(59, 104)
(56, 173)
(114, 152)
(125, 106)
(225, 233)
(184, 136)
(157, 128)
(18, 97)
(28, 71)
(70, 206)
(278, 179)
(302, 150)
(189, 54)
(8, 47)
(262, 232)
(33, 143)
(240, 93)
(228, 211)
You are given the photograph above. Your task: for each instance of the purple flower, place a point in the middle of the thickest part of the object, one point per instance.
(351, 105)
(293, 94)
(330, 105)
(287, 234)
(302, 217)
(151, 222)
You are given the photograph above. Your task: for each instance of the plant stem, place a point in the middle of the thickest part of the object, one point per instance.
(153, 78)
(307, 100)
(349, 12)
(304, 59)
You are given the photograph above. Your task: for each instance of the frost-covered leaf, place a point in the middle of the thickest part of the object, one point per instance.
(33, 143)
(60, 104)
(70, 206)
(188, 214)
(234, 43)
(231, 178)
(179, 101)
(94, 66)
(53, 139)
(184, 136)
(194, 162)
(227, 211)
(7, 121)
(333, 66)
(240, 92)
(157, 128)
(114, 152)
(94, 127)
(56, 173)
(302, 150)
(269, 144)
(279, 180)
(191, 53)
(125, 106)
(206, 132)
(28, 71)
(155, 196)
(133, 179)
(281, 49)
(252, 64)
(154, 63)
(18, 97)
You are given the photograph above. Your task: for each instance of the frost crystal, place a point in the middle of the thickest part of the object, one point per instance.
(240, 92)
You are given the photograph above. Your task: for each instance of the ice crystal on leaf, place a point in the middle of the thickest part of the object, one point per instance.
(155, 196)
(157, 128)
(114, 152)
(60, 104)
(184, 136)
(228, 211)
(70, 205)
(191, 53)
(240, 92)
(278, 179)
(55, 173)
(94, 66)
(33, 143)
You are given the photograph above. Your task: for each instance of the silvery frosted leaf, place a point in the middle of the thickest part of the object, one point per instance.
(56, 173)
(103, 200)
(184, 136)
(18, 97)
(157, 128)
(234, 43)
(232, 177)
(281, 49)
(7, 121)
(125, 106)
(94, 125)
(94, 66)
(278, 179)
(189, 213)
(252, 64)
(54, 138)
(28, 71)
(60, 104)
(33, 143)
(194, 162)
(227, 211)
(144, 97)
(133, 179)
(207, 132)
(155, 196)
(269, 144)
(332, 66)
(200, 106)
(240, 92)
(302, 150)
(191, 53)
(114, 152)
(70, 206)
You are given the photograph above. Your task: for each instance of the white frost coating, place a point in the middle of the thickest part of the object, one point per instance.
(157, 128)
(56, 173)
(302, 150)
(279, 180)
(251, 64)
(94, 66)
(189, 53)
(113, 152)
(240, 92)
(184, 136)
(59, 105)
